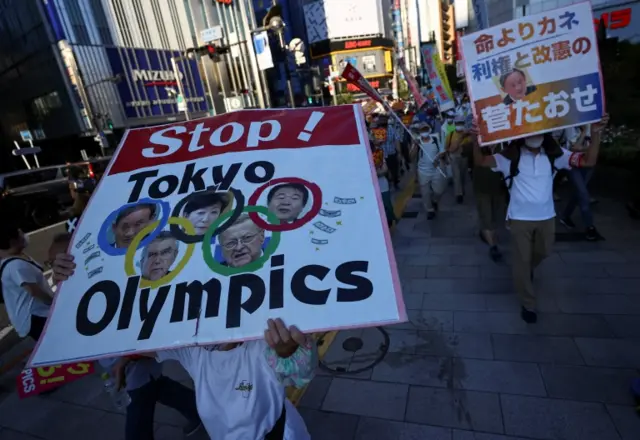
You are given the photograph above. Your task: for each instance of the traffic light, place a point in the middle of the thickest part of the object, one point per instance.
(448, 31)
(211, 50)
(109, 124)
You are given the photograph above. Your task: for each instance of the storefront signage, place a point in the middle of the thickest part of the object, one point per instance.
(325, 47)
(150, 87)
(617, 19)
(369, 62)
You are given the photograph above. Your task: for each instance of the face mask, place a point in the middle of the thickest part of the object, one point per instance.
(449, 121)
(534, 141)
(459, 127)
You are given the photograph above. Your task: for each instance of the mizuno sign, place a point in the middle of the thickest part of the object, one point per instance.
(155, 76)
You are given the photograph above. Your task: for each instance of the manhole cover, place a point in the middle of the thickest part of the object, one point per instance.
(352, 344)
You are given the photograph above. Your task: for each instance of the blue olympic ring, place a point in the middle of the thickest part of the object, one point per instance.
(109, 249)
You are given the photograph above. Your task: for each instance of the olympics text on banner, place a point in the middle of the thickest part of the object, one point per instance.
(203, 230)
(535, 74)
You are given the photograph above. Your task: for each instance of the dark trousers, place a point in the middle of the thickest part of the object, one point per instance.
(580, 196)
(394, 168)
(37, 327)
(140, 412)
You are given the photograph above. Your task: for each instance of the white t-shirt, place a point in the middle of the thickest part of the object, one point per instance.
(426, 154)
(19, 303)
(532, 189)
(237, 393)
(383, 183)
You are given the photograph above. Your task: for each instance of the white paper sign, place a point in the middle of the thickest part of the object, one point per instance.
(201, 231)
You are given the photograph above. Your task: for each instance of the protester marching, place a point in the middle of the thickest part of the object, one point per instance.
(229, 244)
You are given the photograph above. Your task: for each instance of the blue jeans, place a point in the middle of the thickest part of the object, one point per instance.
(580, 196)
(140, 412)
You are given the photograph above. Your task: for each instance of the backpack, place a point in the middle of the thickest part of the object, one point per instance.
(4, 264)
(512, 152)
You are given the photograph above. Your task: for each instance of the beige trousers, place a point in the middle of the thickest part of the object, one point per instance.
(532, 242)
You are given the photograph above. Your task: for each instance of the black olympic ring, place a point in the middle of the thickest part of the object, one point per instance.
(179, 234)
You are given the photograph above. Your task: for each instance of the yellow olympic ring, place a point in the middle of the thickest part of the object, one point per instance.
(131, 252)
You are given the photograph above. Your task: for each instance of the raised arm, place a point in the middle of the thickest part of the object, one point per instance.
(292, 355)
(479, 159)
(590, 157)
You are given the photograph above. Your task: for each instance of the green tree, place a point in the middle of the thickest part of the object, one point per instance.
(621, 77)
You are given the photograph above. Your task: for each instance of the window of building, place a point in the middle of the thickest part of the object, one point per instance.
(43, 105)
(77, 22)
(101, 22)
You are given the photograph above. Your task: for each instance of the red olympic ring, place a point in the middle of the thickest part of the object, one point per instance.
(316, 194)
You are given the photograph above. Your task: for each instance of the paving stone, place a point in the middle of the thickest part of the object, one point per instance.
(469, 435)
(565, 270)
(8, 434)
(80, 392)
(324, 425)
(498, 376)
(457, 286)
(624, 326)
(366, 398)
(610, 353)
(453, 272)
(588, 383)
(427, 320)
(477, 258)
(412, 271)
(429, 260)
(413, 300)
(455, 409)
(548, 324)
(376, 429)
(542, 349)
(316, 392)
(402, 341)
(413, 370)
(593, 256)
(495, 271)
(599, 304)
(626, 420)
(444, 301)
(467, 345)
(511, 303)
(451, 249)
(586, 286)
(553, 419)
(26, 415)
(110, 427)
(629, 270)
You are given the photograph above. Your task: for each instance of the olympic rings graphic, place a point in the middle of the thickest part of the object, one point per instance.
(109, 249)
(185, 238)
(316, 194)
(131, 252)
(250, 267)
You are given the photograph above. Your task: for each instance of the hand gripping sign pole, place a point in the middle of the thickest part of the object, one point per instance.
(352, 75)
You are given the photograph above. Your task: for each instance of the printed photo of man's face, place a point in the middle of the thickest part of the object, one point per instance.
(158, 256)
(287, 201)
(130, 222)
(242, 242)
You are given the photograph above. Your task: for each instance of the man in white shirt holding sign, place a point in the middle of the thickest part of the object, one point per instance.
(529, 165)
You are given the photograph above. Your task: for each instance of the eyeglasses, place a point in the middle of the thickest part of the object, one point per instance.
(247, 239)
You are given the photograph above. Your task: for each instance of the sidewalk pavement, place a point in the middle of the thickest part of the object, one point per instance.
(464, 368)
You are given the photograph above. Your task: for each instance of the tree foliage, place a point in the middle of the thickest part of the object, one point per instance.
(621, 75)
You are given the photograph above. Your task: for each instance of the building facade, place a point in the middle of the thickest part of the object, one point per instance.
(359, 32)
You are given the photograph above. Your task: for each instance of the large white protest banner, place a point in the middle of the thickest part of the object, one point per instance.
(535, 74)
(201, 231)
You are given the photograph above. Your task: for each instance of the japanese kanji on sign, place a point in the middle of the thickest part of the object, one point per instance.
(535, 74)
(438, 79)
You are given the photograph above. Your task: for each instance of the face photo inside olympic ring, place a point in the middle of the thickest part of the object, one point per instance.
(514, 86)
(288, 200)
(242, 243)
(203, 208)
(130, 221)
(157, 258)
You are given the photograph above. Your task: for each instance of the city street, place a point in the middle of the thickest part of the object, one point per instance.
(465, 368)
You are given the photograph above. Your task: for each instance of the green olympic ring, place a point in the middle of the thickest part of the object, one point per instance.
(249, 267)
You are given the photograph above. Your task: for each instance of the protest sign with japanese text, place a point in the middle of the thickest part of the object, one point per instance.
(535, 74)
(34, 381)
(437, 77)
(200, 231)
(411, 83)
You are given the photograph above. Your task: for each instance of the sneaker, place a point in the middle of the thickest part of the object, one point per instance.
(460, 199)
(495, 253)
(431, 215)
(528, 316)
(592, 234)
(567, 222)
(435, 206)
(191, 428)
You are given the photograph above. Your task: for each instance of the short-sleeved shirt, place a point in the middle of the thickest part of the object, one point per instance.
(394, 135)
(532, 189)
(18, 301)
(237, 393)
